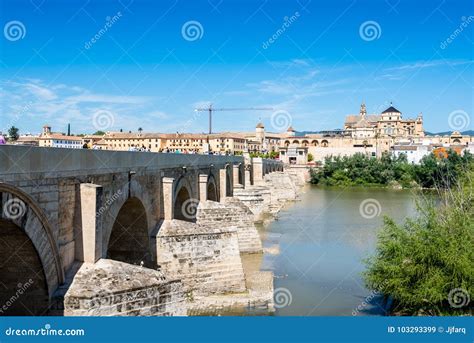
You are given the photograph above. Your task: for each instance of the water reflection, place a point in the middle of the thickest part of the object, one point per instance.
(322, 240)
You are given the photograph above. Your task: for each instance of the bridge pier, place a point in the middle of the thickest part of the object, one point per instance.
(257, 171)
(203, 178)
(89, 239)
(168, 201)
(222, 184)
(237, 176)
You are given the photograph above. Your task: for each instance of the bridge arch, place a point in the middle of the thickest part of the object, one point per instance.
(241, 174)
(228, 180)
(212, 193)
(185, 204)
(29, 258)
(129, 240)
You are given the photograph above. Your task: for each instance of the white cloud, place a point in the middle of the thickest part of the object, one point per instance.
(40, 92)
(109, 99)
(30, 104)
(427, 64)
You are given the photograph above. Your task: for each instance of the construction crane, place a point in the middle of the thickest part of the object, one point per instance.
(210, 109)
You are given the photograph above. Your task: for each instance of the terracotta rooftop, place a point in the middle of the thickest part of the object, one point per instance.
(61, 137)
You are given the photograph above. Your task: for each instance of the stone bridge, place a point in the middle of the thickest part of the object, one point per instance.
(90, 232)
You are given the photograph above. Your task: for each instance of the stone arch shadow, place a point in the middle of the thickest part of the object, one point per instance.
(185, 202)
(241, 174)
(212, 193)
(228, 180)
(29, 256)
(128, 240)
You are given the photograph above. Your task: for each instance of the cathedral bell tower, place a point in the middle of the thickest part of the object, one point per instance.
(363, 110)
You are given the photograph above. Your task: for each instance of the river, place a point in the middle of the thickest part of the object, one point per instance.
(316, 247)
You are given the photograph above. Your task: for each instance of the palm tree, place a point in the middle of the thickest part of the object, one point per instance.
(140, 130)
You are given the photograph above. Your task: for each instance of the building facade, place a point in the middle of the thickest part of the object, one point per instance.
(369, 134)
(58, 140)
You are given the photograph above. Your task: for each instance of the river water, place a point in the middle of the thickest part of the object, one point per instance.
(316, 247)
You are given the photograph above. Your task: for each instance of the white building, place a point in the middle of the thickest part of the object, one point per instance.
(414, 153)
(58, 140)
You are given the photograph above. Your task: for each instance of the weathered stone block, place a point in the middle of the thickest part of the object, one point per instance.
(112, 288)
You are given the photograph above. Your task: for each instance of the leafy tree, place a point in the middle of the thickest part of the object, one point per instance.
(99, 133)
(310, 157)
(424, 262)
(13, 133)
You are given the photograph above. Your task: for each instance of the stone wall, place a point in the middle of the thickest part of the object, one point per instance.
(205, 259)
(232, 213)
(283, 189)
(112, 288)
(253, 199)
(299, 174)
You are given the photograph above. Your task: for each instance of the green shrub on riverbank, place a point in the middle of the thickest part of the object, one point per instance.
(361, 170)
(426, 264)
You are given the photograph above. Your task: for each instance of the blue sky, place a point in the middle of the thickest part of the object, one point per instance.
(145, 70)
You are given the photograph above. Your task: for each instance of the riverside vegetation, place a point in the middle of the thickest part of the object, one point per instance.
(425, 264)
(361, 170)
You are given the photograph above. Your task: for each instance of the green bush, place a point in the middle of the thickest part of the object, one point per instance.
(420, 263)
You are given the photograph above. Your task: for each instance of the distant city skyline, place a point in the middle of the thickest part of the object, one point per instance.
(107, 66)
